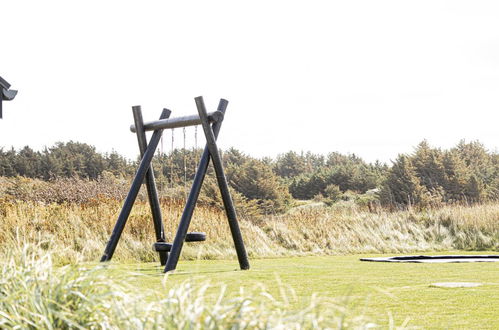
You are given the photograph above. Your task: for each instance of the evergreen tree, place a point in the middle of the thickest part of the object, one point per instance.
(27, 163)
(7, 162)
(255, 180)
(290, 165)
(402, 185)
(456, 176)
(475, 190)
(429, 166)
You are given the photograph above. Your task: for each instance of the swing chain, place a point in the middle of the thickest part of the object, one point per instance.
(171, 158)
(195, 138)
(185, 166)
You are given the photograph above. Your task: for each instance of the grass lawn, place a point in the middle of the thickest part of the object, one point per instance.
(377, 290)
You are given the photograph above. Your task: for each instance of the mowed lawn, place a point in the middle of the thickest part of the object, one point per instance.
(381, 291)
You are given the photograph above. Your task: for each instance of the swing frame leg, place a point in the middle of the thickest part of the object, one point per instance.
(230, 210)
(209, 150)
(185, 220)
(134, 190)
(150, 182)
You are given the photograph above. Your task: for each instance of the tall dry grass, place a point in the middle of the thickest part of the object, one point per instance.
(36, 295)
(78, 232)
(345, 229)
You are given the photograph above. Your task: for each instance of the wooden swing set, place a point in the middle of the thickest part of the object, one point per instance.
(169, 253)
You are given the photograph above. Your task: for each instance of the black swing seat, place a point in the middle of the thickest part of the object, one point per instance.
(190, 237)
(195, 236)
(162, 247)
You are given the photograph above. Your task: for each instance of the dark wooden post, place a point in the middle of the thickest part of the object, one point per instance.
(134, 190)
(152, 192)
(185, 220)
(211, 145)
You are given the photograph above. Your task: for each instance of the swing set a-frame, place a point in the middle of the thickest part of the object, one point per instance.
(169, 253)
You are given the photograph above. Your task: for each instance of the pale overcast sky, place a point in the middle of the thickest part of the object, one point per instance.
(372, 78)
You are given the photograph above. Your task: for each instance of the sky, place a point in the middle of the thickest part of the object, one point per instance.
(373, 78)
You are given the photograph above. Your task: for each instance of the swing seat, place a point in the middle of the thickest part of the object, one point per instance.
(162, 247)
(190, 237)
(195, 237)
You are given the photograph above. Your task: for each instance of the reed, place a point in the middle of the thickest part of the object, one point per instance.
(34, 294)
(76, 232)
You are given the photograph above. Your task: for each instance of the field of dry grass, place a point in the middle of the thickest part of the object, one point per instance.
(44, 226)
(77, 232)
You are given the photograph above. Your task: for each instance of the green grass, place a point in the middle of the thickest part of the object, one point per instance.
(389, 294)
(386, 293)
(36, 294)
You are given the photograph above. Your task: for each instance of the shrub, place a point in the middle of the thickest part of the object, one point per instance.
(332, 194)
(255, 180)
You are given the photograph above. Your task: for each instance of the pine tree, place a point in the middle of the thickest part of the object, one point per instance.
(291, 165)
(429, 166)
(255, 180)
(456, 176)
(402, 185)
(475, 190)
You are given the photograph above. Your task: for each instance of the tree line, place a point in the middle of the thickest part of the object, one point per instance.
(70, 159)
(466, 173)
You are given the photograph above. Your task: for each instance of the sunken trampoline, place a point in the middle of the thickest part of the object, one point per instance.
(437, 259)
